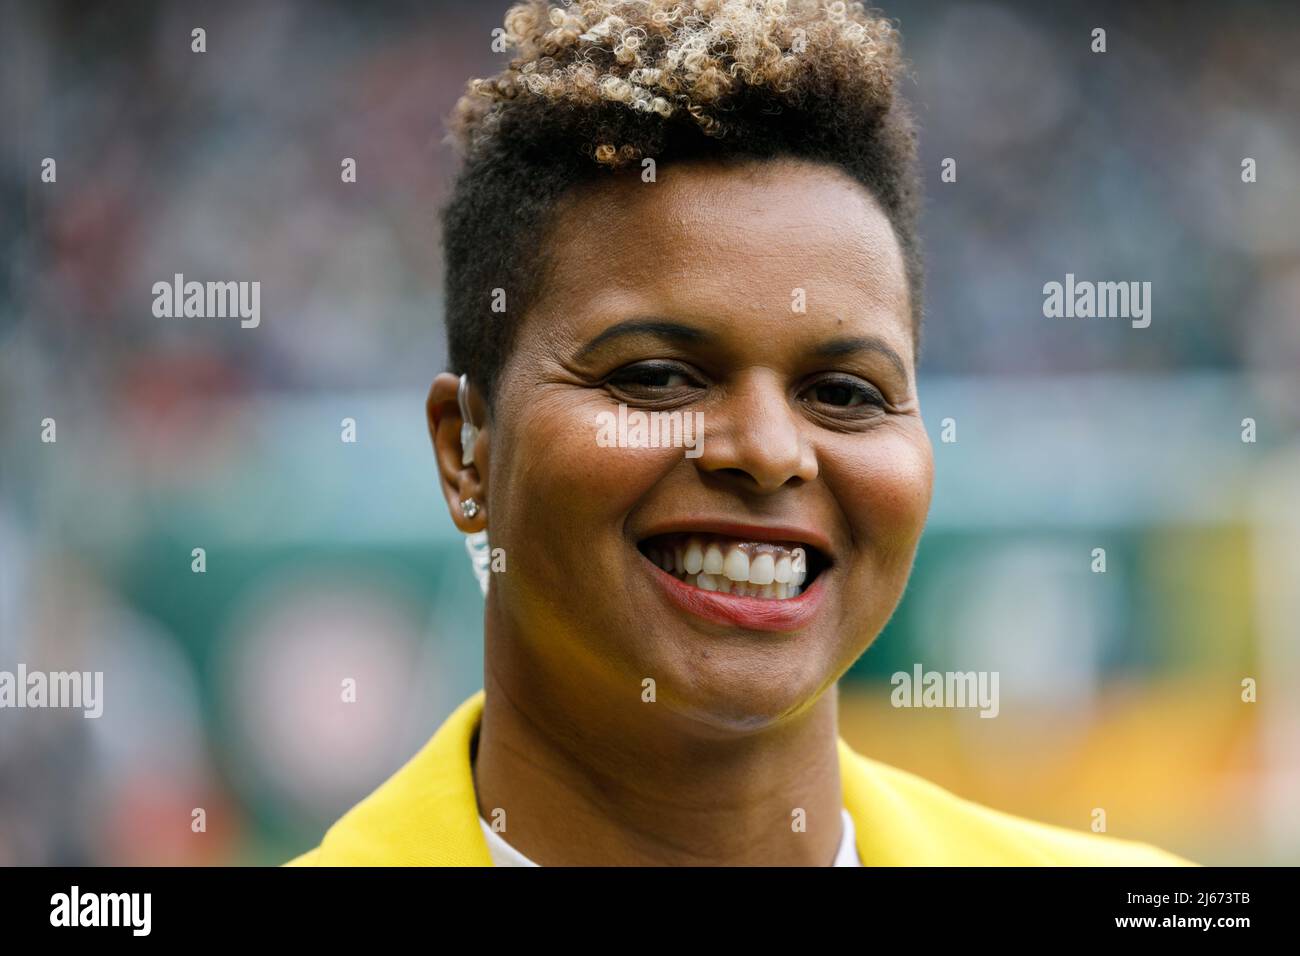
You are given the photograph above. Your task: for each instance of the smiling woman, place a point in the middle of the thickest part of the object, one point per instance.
(662, 657)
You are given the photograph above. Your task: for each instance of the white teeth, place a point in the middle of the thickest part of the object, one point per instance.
(762, 568)
(713, 559)
(754, 569)
(694, 560)
(736, 566)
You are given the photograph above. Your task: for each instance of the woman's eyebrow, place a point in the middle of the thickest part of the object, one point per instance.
(672, 331)
(690, 334)
(839, 348)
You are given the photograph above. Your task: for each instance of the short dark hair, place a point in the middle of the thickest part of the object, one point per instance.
(599, 85)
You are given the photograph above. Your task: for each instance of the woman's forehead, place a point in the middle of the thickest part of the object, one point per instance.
(779, 239)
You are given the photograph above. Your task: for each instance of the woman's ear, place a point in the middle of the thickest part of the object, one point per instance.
(460, 482)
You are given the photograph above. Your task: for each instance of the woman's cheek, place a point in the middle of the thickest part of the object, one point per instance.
(559, 459)
(885, 487)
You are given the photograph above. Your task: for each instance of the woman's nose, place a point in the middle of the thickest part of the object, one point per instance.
(757, 437)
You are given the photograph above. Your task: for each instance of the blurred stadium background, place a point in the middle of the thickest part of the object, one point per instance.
(1119, 690)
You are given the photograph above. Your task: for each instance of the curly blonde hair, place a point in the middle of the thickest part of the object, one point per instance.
(683, 59)
(597, 86)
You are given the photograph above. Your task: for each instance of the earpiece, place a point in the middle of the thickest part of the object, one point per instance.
(477, 543)
(468, 433)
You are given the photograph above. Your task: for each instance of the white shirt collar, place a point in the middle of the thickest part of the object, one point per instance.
(503, 854)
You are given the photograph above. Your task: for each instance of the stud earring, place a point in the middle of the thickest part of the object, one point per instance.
(469, 507)
(468, 433)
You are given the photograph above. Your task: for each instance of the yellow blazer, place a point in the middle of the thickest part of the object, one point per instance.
(426, 815)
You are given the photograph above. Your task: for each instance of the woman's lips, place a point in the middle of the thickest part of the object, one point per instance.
(757, 614)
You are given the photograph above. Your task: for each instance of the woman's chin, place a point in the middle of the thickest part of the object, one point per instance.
(739, 707)
(733, 685)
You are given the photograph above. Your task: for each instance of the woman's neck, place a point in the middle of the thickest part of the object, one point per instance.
(586, 776)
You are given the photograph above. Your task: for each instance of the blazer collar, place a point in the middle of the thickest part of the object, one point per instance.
(426, 814)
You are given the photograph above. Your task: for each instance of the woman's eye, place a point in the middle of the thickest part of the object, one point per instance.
(648, 376)
(845, 393)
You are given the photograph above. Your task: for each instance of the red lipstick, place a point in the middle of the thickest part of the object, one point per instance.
(755, 614)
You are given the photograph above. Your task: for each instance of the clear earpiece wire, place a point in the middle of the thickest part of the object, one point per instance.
(480, 556)
(468, 433)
